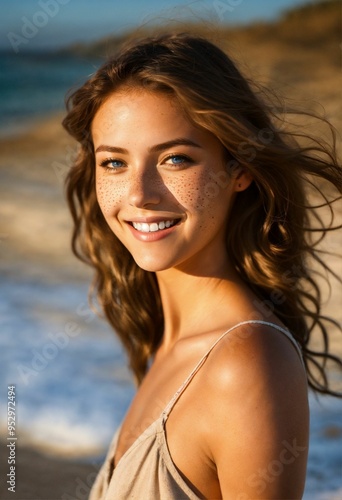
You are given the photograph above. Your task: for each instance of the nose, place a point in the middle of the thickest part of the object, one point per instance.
(145, 187)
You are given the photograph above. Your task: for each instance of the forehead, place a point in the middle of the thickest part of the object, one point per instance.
(137, 108)
(140, 117)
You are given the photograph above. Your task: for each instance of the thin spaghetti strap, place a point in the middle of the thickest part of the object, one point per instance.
(285, 332)
(182, 388)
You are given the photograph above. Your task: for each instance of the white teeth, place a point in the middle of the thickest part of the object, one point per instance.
(150, 228)
(145, 228)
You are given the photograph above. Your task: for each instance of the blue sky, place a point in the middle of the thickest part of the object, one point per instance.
(42, 24)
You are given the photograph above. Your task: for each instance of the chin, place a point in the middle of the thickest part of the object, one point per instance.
(152, 265)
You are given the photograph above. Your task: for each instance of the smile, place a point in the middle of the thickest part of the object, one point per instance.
(144, 227)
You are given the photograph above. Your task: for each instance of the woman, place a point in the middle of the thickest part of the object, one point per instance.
(189, 202)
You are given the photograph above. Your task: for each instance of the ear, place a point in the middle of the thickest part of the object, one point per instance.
(242, 180)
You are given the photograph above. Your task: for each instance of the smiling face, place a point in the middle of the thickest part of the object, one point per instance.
(161, 182)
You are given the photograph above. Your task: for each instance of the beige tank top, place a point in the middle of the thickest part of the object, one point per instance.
(146, 470)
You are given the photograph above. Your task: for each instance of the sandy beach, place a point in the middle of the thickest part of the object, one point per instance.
(33, 167)
(43, 477)
(35, 224)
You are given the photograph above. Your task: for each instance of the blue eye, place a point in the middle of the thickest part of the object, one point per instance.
(177, 160)
(112, 164)
(115, 163)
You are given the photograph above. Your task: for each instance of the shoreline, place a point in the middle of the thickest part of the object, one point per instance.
(27, 124)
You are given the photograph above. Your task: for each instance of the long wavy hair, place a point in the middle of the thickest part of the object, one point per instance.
(270, 237)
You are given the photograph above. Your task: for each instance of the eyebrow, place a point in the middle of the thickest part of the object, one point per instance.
(153, 149)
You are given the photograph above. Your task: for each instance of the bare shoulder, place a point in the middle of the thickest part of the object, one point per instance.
(259, 352)
(257, 389)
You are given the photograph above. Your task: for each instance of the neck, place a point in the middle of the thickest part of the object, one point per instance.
(194, 302)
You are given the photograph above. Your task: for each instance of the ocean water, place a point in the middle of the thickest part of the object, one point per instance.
(33, 85)
(72, 384)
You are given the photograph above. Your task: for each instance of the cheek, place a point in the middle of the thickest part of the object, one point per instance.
(109, 195)
(190, 190)
(200, 195)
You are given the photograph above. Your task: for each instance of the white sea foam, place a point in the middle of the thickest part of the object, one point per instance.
(72, 384)
(332, 495)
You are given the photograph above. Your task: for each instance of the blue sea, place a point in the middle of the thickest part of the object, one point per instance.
(72, 384)
(34, 85)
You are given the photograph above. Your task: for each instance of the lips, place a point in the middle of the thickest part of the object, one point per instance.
(153, 227)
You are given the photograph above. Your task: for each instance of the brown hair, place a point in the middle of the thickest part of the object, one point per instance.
(271, 226)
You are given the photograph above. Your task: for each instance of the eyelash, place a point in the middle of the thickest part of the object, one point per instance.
(107, 168)
(186, 159)
(105, 163)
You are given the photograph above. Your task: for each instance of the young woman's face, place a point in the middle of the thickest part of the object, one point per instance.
(161, 182)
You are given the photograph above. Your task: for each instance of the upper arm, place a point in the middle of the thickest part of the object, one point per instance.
(258, 436)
